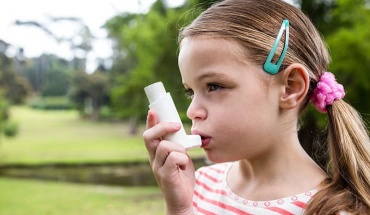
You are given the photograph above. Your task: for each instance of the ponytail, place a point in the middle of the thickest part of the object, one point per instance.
(348, 185)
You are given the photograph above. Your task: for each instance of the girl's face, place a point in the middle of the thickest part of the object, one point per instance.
(234, 105)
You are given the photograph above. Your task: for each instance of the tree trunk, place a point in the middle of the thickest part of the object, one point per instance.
(133, 125)
(95, 115)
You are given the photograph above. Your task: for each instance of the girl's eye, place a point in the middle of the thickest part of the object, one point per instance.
(212, 87)
(189, 93)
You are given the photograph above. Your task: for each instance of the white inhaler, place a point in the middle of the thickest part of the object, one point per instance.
(162, 103)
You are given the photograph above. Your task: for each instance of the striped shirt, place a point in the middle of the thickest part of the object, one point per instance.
(212, 196)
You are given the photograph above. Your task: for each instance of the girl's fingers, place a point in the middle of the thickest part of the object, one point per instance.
(170, 169)
(165, 150)
(148, 136)
(155, 132)
(171, 166)
(152, 119)
(179, 159)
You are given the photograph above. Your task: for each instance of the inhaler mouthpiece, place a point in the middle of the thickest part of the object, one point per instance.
(162, 103)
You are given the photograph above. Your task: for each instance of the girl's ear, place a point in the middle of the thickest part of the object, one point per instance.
(295, 80)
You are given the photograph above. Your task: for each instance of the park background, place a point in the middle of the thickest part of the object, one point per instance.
(70, 138)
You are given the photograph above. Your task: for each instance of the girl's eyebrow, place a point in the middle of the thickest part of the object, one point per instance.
(211, 75)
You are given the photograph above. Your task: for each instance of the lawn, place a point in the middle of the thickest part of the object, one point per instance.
(19, 197)
(62, 137)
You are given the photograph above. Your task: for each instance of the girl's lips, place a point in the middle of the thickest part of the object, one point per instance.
(205, 141)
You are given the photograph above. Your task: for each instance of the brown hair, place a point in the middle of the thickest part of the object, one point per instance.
(253, 24)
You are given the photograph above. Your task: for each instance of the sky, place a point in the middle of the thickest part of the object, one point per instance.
(94, 13)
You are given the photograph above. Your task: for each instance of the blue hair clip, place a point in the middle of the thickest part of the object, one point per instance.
(269, 66)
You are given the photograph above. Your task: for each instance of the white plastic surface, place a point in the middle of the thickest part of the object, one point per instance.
(162, 103)
(154, 91)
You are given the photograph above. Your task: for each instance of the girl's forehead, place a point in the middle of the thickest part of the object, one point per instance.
(209, 47)
(200, 56)
(207, 40)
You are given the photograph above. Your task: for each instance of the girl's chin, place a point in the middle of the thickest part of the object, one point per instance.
(212, 157)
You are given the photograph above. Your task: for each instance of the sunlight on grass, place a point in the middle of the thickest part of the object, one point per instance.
(19, 197)
(62, 137)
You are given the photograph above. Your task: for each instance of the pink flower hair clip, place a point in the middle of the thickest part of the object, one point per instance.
(326, 92)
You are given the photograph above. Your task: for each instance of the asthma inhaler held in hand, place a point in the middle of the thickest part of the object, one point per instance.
(161, 102)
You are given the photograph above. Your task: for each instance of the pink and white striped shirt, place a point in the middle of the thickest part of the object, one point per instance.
(213, 196)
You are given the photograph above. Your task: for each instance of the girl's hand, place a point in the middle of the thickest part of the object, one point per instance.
(172, 167)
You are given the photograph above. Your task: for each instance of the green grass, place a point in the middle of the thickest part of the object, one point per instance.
(62, 137)
(19, 197)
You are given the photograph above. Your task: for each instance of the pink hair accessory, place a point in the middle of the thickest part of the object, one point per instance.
(326, 92)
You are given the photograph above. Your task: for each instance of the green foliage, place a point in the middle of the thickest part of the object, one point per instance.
(320, 13)
(149, 44)
(11, 129)
(51, 103)
(4, 114)
(89, 92)
(350, 51)
(49, 75)
(57, 83)
(14, 86)
(106, 112)
(4, 109)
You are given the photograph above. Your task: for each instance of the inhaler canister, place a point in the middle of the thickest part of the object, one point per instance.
(161, 101)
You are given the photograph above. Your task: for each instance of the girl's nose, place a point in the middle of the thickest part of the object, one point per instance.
(196, 111)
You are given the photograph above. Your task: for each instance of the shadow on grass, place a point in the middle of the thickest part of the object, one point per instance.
(123, 174)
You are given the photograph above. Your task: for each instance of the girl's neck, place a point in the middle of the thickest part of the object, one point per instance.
(283, 171)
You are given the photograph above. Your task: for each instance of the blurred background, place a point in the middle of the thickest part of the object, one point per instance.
(72, 105)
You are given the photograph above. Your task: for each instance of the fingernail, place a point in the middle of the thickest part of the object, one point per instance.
(176, 125)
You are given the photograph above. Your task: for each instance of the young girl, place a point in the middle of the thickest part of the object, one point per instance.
(250, 68)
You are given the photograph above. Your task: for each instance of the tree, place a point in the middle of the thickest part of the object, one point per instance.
(48, 74)
(80, 43)
(350, 51)
(147, 47)
(89, 92)
(14, 86)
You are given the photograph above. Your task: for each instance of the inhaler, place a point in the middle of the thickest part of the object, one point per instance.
(161, 102)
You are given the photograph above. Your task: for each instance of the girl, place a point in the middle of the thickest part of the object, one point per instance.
(249, 82)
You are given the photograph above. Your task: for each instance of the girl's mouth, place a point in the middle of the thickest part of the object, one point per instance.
(205, 141)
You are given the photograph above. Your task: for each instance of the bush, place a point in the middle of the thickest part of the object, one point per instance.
(51, 103)
(10, 129)
(107, 112)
